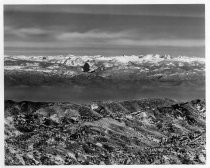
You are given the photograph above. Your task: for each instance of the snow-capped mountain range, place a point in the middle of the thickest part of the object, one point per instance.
(134, 67)
(72, 60)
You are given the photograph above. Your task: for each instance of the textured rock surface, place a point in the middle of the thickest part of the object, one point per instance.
(146, 131)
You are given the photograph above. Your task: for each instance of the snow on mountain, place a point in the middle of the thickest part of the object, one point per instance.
(73, 60)
(109, 67)
(94, 61)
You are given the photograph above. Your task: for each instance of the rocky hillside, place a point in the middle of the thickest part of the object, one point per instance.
(146, 131)
(65, 70)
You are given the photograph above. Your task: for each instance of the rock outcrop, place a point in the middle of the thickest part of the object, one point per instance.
(147, 131)
(86, 67)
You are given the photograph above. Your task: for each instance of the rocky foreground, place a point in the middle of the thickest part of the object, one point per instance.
(147, 131)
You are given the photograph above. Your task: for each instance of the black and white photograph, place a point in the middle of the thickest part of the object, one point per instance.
(104, 84)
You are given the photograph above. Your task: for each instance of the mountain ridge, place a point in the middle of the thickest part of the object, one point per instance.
(21, 70)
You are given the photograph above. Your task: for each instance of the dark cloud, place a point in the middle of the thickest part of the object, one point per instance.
(99, 26)
(183, 10)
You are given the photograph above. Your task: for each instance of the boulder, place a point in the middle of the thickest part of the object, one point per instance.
(86, 67)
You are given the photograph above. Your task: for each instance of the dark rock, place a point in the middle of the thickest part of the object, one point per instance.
(86, 67)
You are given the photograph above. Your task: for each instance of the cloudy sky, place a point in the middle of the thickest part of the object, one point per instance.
(104, 29)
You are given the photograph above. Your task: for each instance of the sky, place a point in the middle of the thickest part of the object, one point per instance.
(104, 29)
